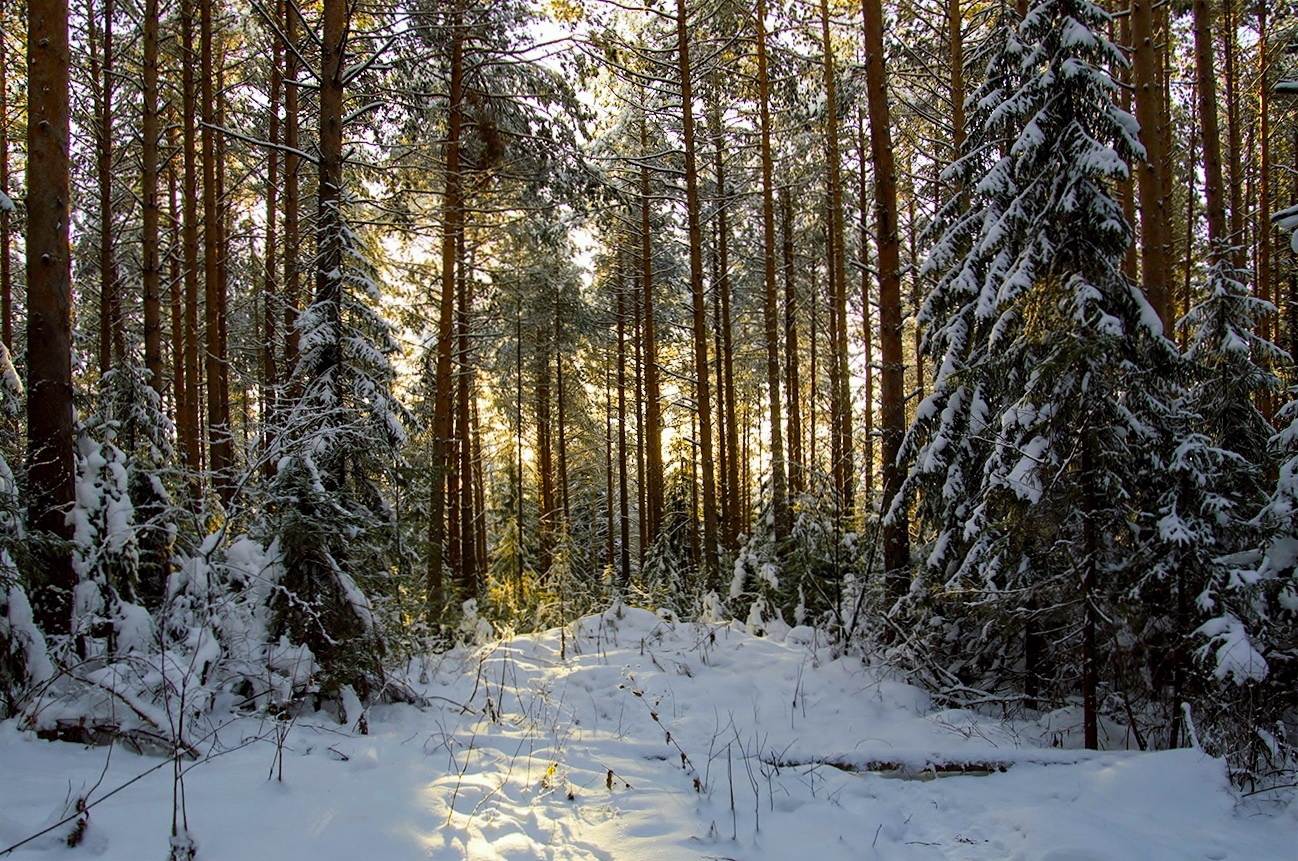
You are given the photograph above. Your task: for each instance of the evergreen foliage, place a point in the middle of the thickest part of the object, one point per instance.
(340, 443)
(1054, 387)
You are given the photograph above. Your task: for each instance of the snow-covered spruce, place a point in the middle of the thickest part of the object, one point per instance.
(339, 443)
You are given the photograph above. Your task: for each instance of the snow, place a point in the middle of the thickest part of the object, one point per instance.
(626, 737)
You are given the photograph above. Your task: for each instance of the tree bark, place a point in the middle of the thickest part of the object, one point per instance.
(1153, 217)
(770, 313)
(1206, 73)
(270, 276)
(220, 445)
(1263, 274)
(955, 45)
(867, 301)
(734, 507)
(623, 505)
(49, 303)
(545, 447)
(292, 231)
(896, 538)
(469, 556)
(1235, 156)
(840, 407)
(152, 264)
(653, 409)
(703, 397)
(452, 226)
(6, 263)
(189, 431)
(111, 340)
(797, 468)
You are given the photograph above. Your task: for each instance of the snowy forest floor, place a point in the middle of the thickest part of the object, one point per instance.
(625, 737)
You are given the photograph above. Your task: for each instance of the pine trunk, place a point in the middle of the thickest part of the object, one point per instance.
(653, 410)
(6, 271)
(175, 253)
(702, 394)
(152, 264)
(840, 407)
(101, 72)
(1155, 270)
(189, 431)
(867, 301)
(896, 538)
(1263, 276)
(623, 504)
(49, 301)
(218, 409)
(770, 312)
(467, 574)
(292, 230)
(270, 275)
(452, 227)
(797, 468)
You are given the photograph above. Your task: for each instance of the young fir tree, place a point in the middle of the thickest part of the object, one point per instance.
(340, 442)
(1260, 619)
(1212, 483)
(1053, 379)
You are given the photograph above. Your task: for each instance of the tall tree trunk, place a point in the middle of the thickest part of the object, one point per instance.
(225, 487)
(770, 312)
(1154, 239)
(292, 230)
(1206, 73)
(642, 538)
(896, 538)
(610, 528)
(955, 45)
(703, 396)
(189, 432)
(797, 467)
(545, 450)
(452, 227)
(152, 264)
(270, 276)
(867, 301)
(175, 282)
(735, 511)
(111, 340)
(1168, 202)
(1262, 278)
(1185, 298)
(1235, 155)
(220, 445)
(49, 302)
(653, 409)
(1126, 190)
(329, 221)
(6, 271)
(623, 506)
(724, 496)
(218, 412)
(469, 556)
(840, 408)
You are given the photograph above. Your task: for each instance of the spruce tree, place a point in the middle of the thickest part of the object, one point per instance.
(1053, 380)
(340, 444)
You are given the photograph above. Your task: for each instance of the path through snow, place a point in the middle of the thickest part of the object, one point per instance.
(623, 737)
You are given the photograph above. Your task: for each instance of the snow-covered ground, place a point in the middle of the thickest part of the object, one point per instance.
(624, 737)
